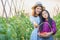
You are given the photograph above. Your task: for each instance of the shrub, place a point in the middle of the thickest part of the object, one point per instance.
(17, 28)
(57, 19)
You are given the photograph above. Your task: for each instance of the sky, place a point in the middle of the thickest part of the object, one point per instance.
(50, 5)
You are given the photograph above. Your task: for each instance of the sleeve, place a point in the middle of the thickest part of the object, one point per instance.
(54, 27)
(32, 19)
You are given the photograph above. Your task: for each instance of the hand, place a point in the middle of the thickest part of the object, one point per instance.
(41, 35)
(35, 24)
(45, 35)
(49, 33)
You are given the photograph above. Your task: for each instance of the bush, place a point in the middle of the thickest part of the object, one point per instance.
(17, 28)
(57, 19)
(20, 28)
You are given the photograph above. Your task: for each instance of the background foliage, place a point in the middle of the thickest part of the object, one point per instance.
(20, 28)
(16, 28)
(57, 19)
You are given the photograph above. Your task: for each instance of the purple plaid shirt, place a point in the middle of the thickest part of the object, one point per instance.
(46, 27)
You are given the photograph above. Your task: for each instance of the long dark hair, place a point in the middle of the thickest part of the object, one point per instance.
(43, 20)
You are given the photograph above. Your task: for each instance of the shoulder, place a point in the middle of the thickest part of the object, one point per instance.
(31, 16)
(53, 22)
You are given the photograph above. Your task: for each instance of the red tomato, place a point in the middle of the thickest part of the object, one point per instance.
(43, 33)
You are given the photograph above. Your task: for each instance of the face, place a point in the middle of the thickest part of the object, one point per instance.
(38, 10)
(45, 14)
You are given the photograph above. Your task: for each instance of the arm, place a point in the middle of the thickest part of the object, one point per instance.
(33, 22)
(50, 33)
(54, 27)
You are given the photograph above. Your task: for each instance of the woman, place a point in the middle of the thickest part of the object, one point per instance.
(35, 19)
(47, 27)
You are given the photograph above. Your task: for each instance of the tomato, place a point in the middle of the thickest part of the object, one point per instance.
(43, 32)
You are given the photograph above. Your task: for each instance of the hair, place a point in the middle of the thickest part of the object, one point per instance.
(43, 20)
(33, 9)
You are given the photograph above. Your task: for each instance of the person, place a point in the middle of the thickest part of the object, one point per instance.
(35, 19)
(47, 25)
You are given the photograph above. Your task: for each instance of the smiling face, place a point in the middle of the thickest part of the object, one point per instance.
(38, 10)
(45, 14)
